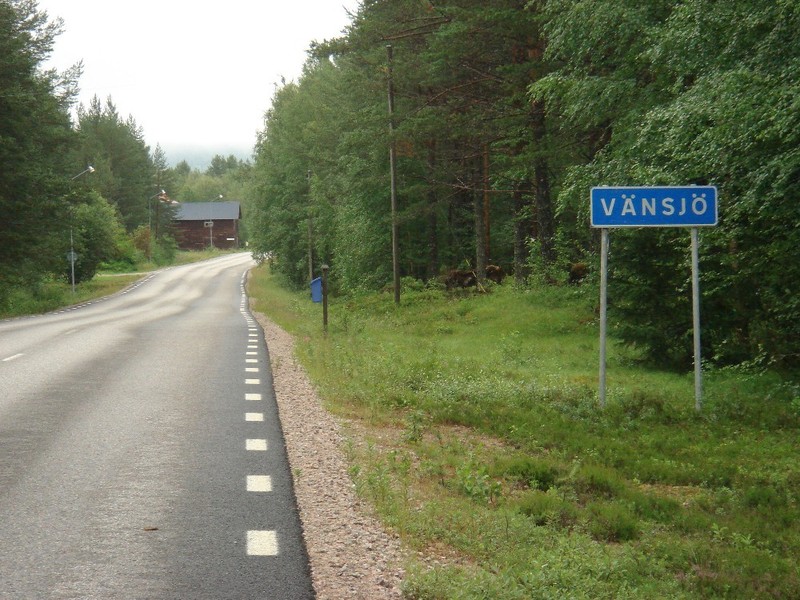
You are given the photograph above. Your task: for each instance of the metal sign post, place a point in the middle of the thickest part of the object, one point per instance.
(698, 369)
(685, 206)
(603, 311)
(72, 257)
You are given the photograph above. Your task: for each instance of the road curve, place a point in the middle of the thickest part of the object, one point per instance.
(141, 454)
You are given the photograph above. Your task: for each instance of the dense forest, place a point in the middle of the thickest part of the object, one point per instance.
(505, 114)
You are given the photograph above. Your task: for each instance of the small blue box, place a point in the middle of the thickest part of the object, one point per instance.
(316, 289)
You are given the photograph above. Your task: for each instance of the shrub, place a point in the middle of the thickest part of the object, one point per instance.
(164, 251)
(656, 508)
(763, 496)
(547, 508)
(534, 472)
(612, 522)
(646, 405)
(600, 481)
(475, 482)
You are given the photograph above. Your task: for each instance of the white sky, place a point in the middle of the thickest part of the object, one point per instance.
(196, 76)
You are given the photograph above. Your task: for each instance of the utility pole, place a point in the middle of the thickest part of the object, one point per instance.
(72, 256)
(486, 202)
(310, 229)
(393, 169)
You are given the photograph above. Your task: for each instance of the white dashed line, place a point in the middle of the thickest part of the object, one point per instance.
(14, 357)
(256, 445)
(259, 483)
(259, 542)
(262, 543)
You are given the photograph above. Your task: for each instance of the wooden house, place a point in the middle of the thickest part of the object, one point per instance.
(200, 225)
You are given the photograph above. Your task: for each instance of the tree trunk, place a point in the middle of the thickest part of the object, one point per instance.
(487, 223)
(480, 228)
(541, 193)
(522, 232)
(433, 223)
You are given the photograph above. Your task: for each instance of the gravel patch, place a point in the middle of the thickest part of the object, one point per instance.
(351, 554)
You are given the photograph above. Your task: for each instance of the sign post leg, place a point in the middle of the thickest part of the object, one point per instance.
(698, 368)
(325, 298)
(654, 206)
(603, 311)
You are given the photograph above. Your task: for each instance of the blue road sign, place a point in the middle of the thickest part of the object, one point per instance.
(689, 206)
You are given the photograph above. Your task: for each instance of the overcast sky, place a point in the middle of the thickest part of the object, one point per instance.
(194, 75)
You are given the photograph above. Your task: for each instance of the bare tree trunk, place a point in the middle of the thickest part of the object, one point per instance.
(522, 233)
(487, 223)
(393, 176)
(433, 222)
(541, 192)
(480, 229)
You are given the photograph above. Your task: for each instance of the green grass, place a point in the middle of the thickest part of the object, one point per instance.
(486, 448)
(54, 293)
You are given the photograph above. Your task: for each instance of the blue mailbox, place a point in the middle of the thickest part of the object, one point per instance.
(316, 289)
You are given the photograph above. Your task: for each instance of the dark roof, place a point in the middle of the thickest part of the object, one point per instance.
(207, 211)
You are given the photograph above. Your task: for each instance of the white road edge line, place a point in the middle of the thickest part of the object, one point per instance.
(262, 543)
(256, 445)
(259, 483)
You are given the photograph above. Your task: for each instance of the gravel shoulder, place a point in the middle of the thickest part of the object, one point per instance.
(352, 555)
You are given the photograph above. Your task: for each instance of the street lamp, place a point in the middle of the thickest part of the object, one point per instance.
(72, 257)
(89, 169)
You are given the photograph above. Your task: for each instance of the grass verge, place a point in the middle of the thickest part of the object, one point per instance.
(475, 432)
(52, 295)
(55, 293)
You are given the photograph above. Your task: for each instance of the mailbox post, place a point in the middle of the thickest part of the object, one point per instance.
(325, 298)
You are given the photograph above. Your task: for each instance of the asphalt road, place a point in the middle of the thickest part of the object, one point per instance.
(140, 450)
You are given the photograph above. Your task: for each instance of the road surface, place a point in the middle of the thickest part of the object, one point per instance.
(140, 450)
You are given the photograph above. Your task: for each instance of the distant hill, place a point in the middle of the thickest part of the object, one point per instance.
(199, 157)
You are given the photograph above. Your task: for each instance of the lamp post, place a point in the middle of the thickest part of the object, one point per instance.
(310, 229)
(72, 256)
(150, 222)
